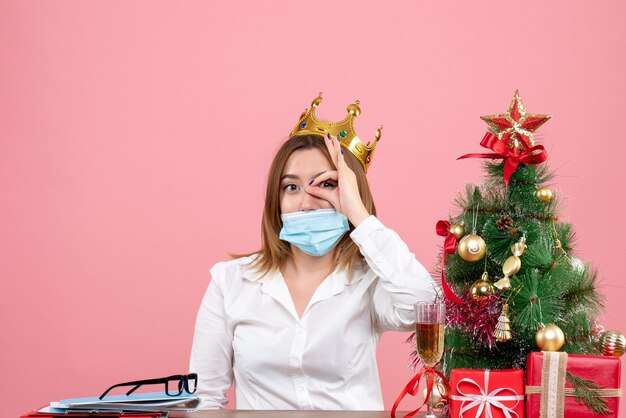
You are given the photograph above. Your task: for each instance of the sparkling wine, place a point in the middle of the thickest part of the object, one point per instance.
(429, 342)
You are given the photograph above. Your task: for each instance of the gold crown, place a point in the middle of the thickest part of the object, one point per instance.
(344, 129)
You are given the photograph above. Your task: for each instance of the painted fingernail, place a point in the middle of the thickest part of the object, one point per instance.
(342, 150)
(328, 135)
(338, 138)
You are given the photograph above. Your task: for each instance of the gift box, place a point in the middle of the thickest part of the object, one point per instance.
(486, 393)
(549, 390)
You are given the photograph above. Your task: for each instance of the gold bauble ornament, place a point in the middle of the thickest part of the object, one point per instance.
(436, 400)
(544, 194)
(472, 247)
(613, 343)
(503, 333)
(550, 338)
(458, 230)
(482, 288)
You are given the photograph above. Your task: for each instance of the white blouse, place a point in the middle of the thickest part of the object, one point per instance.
(249, 329)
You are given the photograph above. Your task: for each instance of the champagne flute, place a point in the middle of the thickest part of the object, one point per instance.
(429, 331)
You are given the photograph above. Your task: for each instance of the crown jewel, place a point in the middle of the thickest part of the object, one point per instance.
(309, 124)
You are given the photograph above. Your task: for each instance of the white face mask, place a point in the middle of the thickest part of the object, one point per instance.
(315, 232)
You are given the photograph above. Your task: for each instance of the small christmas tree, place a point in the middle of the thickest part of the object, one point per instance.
(511, 285)
(508, 268)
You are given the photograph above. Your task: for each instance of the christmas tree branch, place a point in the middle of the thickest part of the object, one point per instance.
(583, 292)
(585, 391)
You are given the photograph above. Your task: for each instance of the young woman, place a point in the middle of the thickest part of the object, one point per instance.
(297, 323)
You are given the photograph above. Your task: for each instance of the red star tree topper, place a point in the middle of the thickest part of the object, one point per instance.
(516, 127)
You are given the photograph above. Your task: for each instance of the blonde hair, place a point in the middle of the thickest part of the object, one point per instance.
(274, 252)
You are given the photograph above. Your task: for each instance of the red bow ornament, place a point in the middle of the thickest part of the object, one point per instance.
(512, 158)
(449, 247)
(413, 386)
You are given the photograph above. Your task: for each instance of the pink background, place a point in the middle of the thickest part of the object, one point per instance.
(135, 138)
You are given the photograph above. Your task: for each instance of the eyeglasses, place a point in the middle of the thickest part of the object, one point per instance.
(174, 385)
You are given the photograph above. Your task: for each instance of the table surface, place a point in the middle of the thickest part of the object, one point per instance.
(234, 413)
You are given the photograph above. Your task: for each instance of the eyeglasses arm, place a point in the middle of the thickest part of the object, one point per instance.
(182, 379)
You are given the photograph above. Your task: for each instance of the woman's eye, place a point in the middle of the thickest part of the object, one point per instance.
(290, 187)
(326, 184)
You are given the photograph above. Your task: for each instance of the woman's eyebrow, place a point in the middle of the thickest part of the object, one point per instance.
(293, 176)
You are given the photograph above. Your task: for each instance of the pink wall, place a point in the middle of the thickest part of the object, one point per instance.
(135, 137)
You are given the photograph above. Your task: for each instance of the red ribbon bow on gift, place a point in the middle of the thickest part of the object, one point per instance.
(413, 386)
(512, 158)
(449, 247)
(485, 400)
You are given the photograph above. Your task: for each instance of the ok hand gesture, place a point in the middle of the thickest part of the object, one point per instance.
(345, 198)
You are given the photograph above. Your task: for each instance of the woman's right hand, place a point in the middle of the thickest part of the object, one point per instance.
(346, 197)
